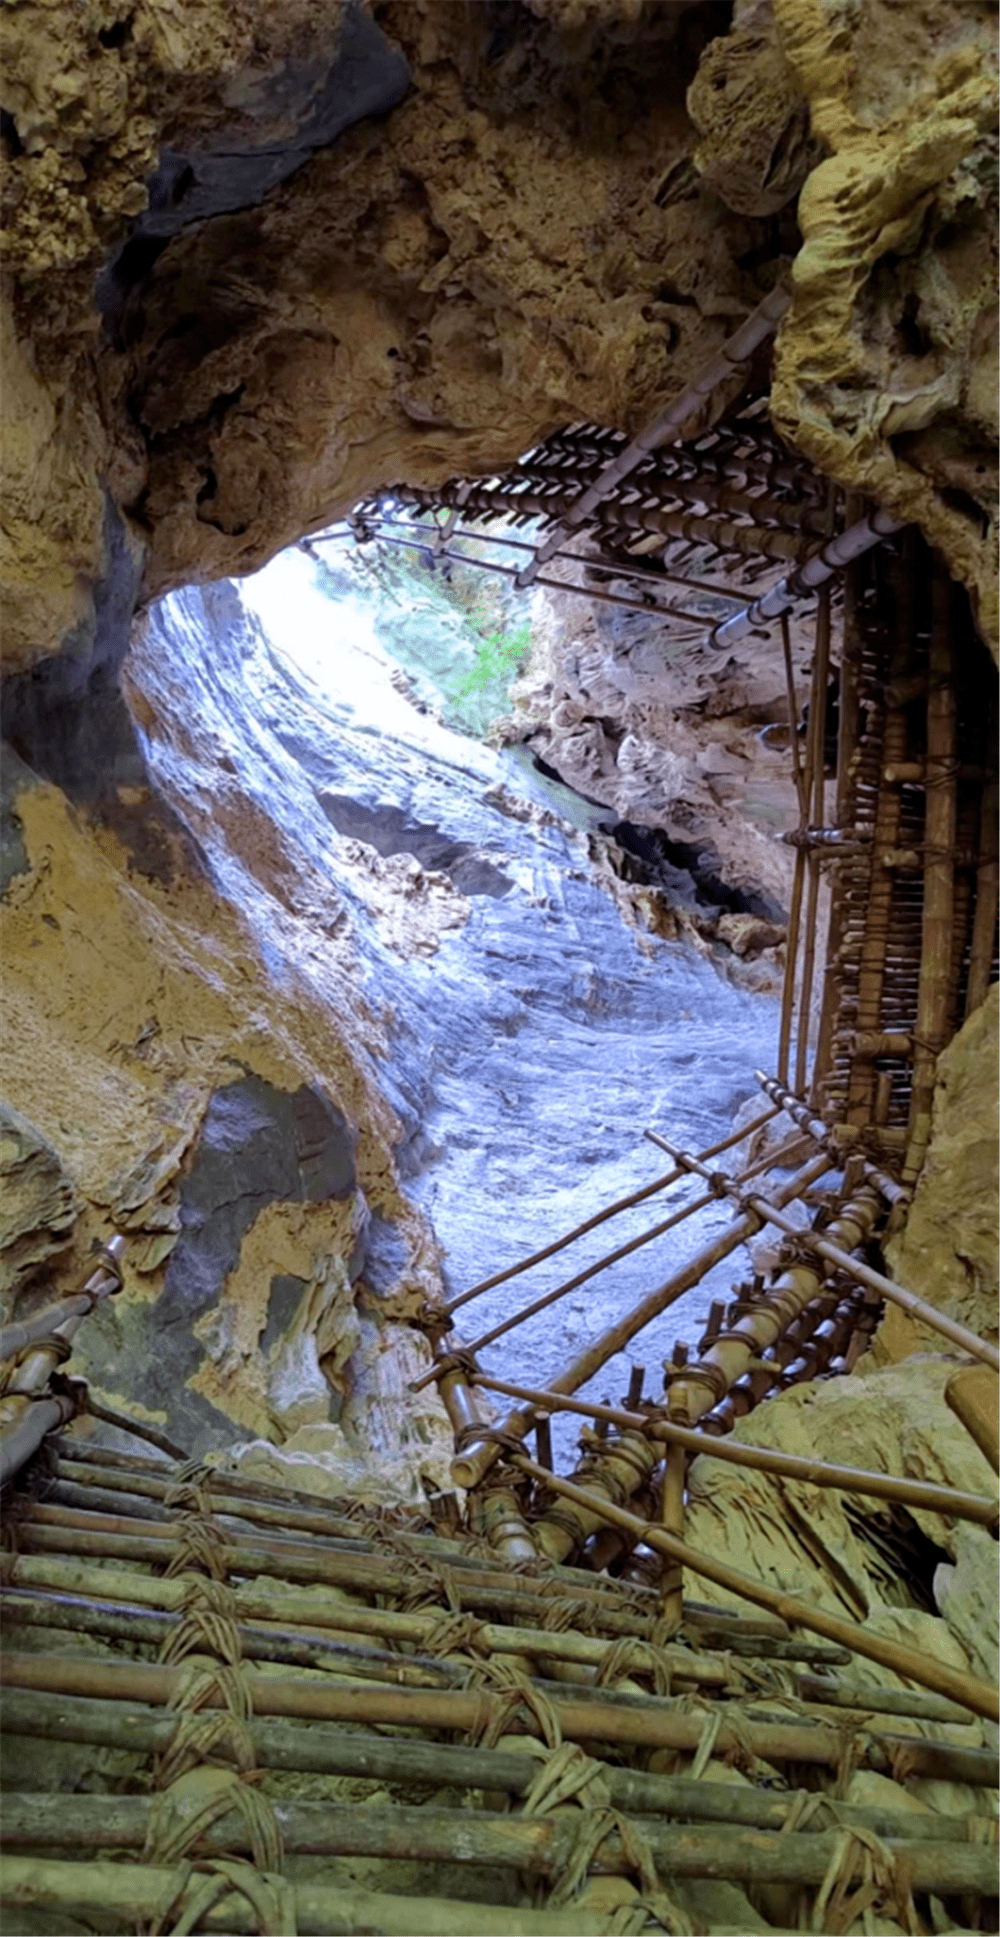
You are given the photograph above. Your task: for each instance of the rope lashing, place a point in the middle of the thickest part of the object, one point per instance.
(269, 1898)
(516, 1698)
(200, 1543)
(210, 1622)
(883, 1885)
(173, 1829)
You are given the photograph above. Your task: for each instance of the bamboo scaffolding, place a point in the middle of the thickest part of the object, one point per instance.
(635, 1721)
(984, 923)
(541, 1846)
(470, 1466)
(814, 780)
(324, 1750)
(848, 1479)
(601, 1217)
(667, 428)
(978, 1696)
(908, 1301)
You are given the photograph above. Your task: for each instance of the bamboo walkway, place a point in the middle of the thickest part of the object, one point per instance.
(524, 1665)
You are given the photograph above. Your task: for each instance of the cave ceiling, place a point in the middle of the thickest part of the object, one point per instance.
(260, 261)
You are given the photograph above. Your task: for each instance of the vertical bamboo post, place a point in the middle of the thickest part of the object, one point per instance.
(898, 582)
(672, 1516)
(815, 779)
(939, 875)
(844, 816)
(984, 921)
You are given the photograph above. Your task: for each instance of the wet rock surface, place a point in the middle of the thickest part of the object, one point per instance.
(523, 1038)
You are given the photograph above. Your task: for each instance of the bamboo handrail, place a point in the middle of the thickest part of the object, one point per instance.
(601, 1217)
(917, 1307)
(956, 1505)
(552, 1297)
(978, 1696)
(470, 1466)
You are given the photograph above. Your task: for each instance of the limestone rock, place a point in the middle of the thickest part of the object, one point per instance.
(38, 1204)
(753, 120)
(886, 370)
(948, 1249)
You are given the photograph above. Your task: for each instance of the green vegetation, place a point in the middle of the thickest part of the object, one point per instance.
(462, 640)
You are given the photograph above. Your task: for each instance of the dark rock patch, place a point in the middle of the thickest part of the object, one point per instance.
(390, 830)
(310, 102)
(258, 1146)
(688, 871)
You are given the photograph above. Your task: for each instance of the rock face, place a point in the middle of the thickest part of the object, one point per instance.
(948, 1250)
(37, 1203)
(392, 997)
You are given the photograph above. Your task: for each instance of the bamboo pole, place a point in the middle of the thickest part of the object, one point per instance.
(322, 1749)
(815, 780)
(344, 1620)
(469, 1468)
(908, 1301)
(601, 1217)
(541, 1845)
(498, 1594)
(133, 1893)
(672, 1515)
(636, 1721)
(939, 875)
(972, 1396)
(984, 920)
(878, 1701)
(791, 963)
(820, 1132)
(978, 1696)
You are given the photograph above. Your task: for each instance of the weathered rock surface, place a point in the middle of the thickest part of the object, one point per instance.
(852, 1555)
(948, 1251)
(37, 1203)
(444, 979)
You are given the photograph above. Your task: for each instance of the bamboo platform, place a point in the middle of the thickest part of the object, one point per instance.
(523, 1700)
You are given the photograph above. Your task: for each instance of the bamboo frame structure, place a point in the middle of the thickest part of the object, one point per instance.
(971, 1692)
(763, 1459)
(470, 1466)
